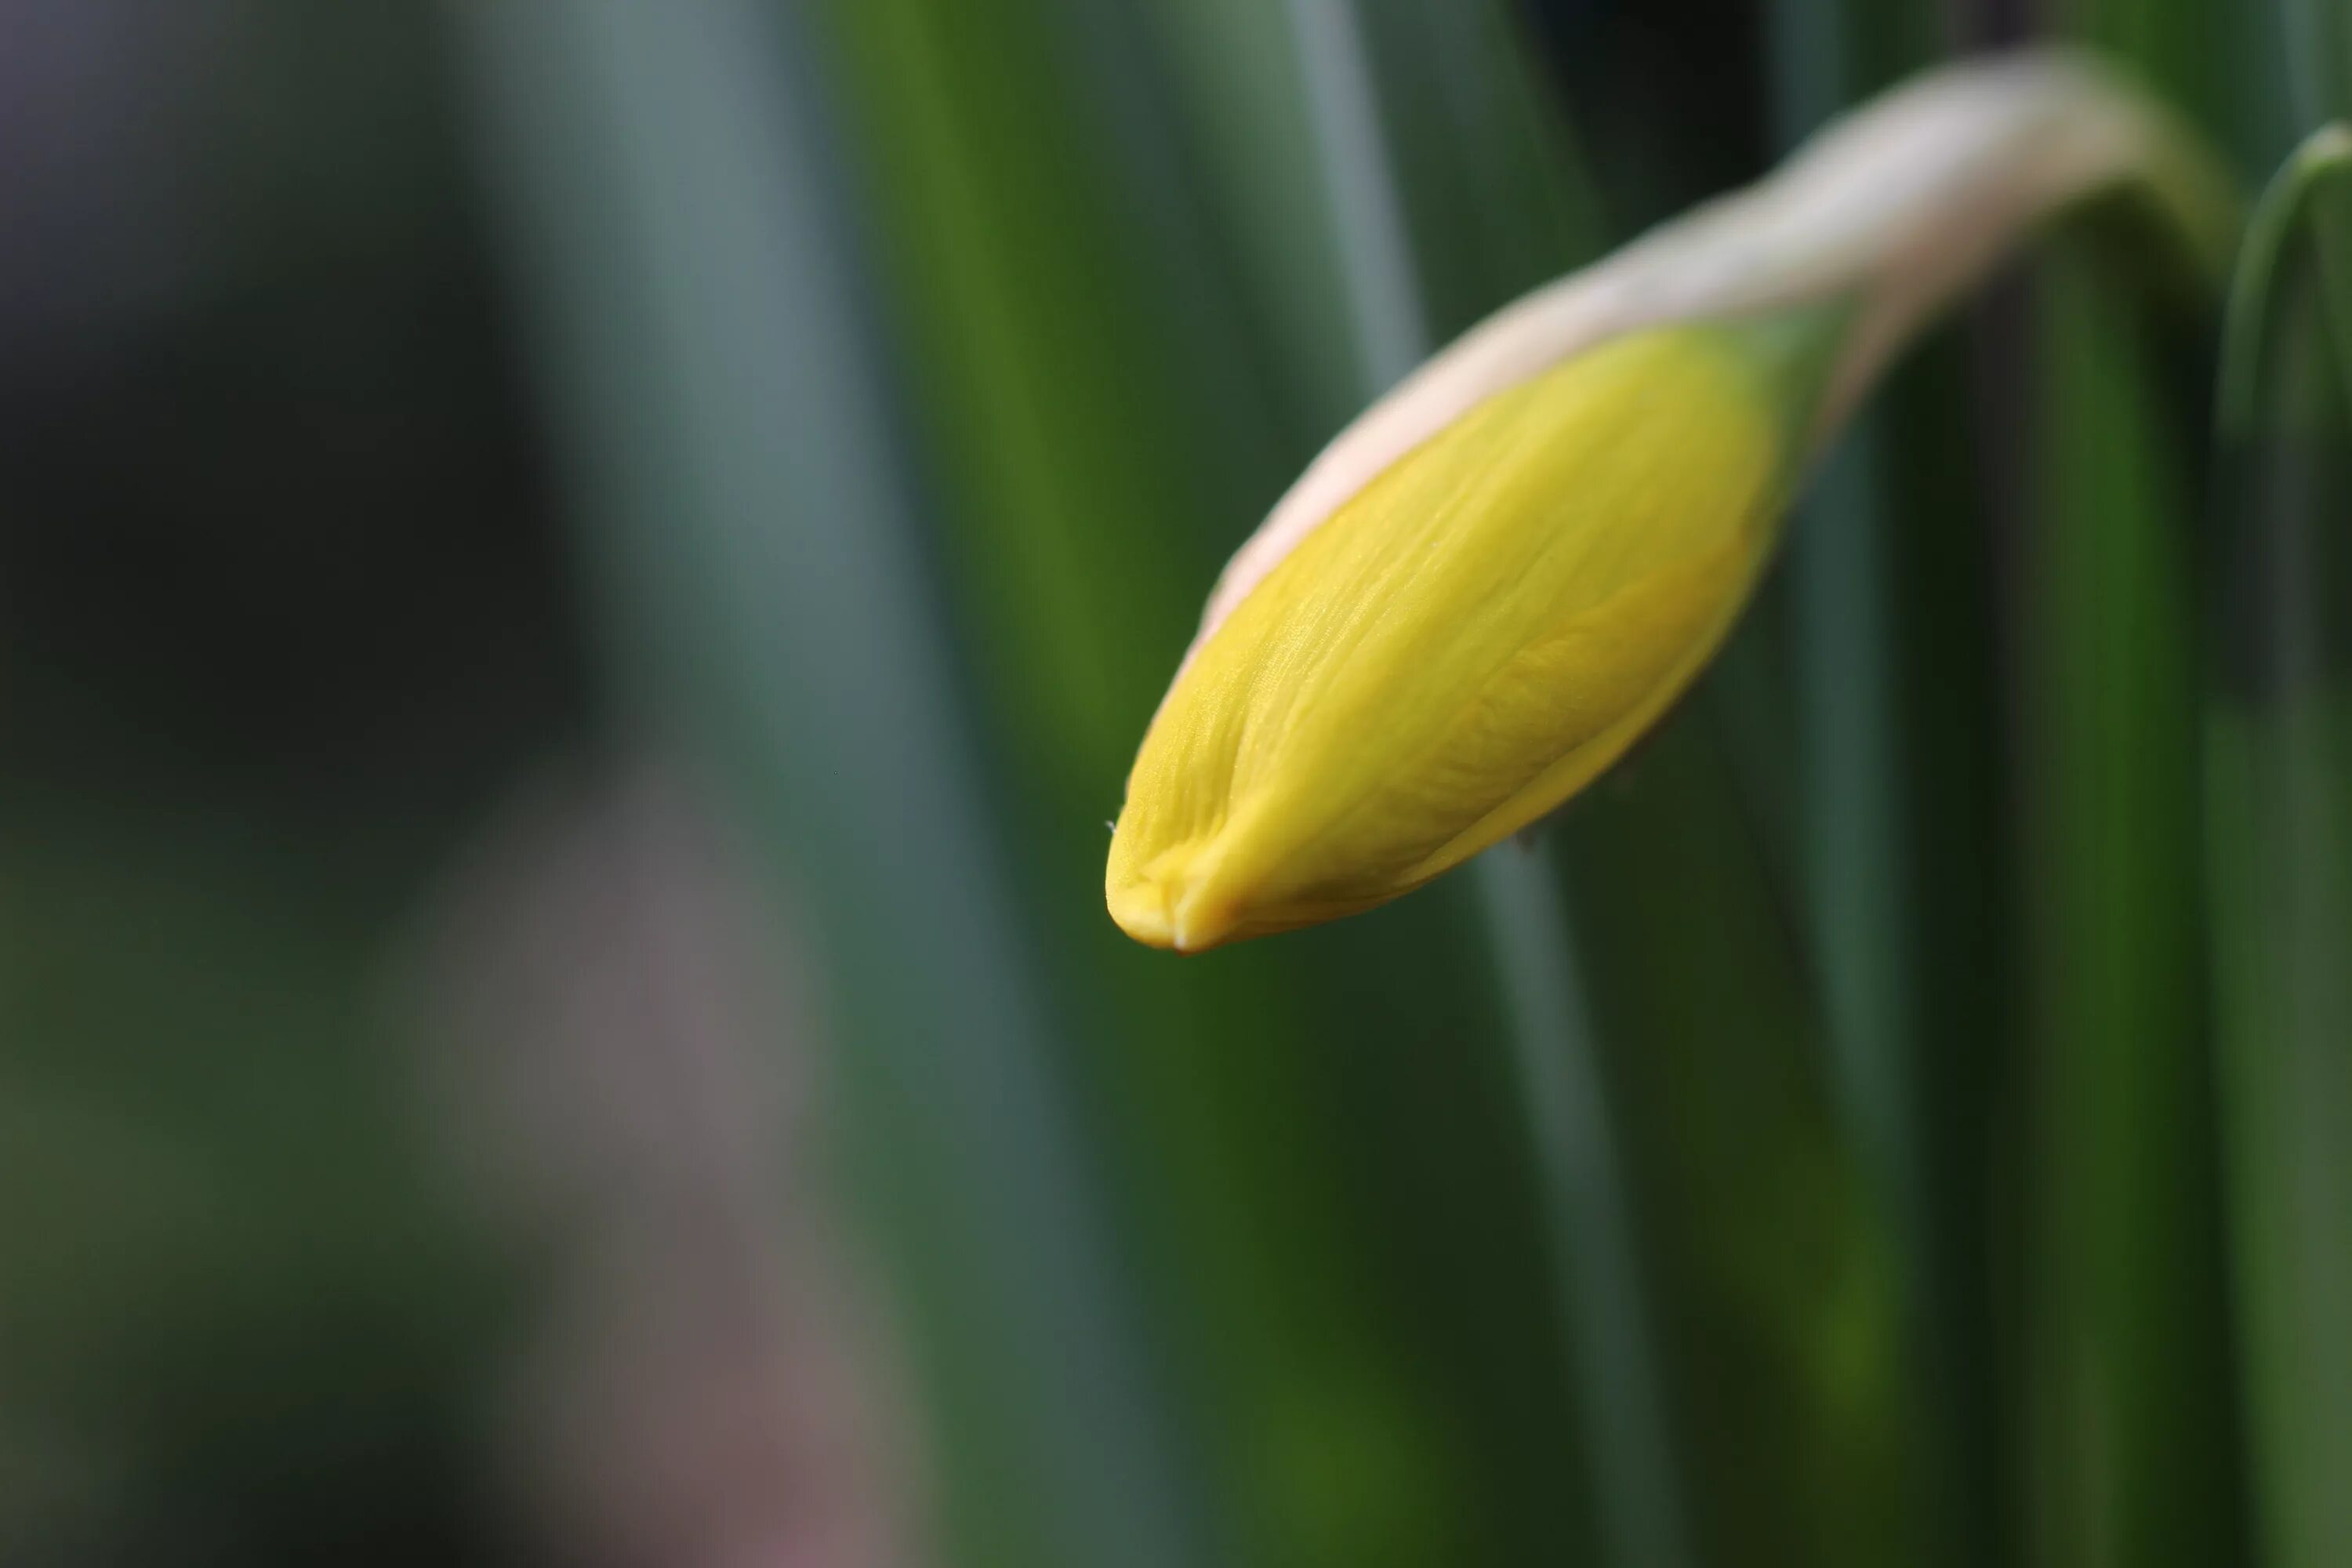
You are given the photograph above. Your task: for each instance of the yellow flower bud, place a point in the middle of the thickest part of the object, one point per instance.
(1462, 646)
(1497, 579)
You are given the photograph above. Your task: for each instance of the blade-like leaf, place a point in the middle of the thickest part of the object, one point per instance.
(726, 428)
(2278, 813)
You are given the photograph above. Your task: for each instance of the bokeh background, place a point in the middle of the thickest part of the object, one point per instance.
(578, 579)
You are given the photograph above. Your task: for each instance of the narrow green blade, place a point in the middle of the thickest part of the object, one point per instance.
(1607, 1319)
(1894, 663)
(725, 429)
(1095, 280)
(1725, 1290)
(2127, 1390)
(2278, 812)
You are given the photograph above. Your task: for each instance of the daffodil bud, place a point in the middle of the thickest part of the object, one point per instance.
(1501, 576)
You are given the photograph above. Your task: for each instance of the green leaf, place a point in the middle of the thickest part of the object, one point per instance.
(1893, 669)
(2128, 1365)
(1104, 258)
(2278, 814)
(1737, 1360)
(726, 425)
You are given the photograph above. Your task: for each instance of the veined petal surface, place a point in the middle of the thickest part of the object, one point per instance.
(1472, 638)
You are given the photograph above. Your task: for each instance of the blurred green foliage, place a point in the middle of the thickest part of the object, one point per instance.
(1949, 1001)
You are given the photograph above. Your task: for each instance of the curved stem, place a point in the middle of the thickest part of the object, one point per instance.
(2326, 155)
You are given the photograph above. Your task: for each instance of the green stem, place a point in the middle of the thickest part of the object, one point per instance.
(2277, 753)
(1587, 1204)
(2285, 204)
(1859, 846)
(1590, 1210)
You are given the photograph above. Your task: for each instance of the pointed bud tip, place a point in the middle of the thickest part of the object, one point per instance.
(1173, 914)
(1146, 919)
